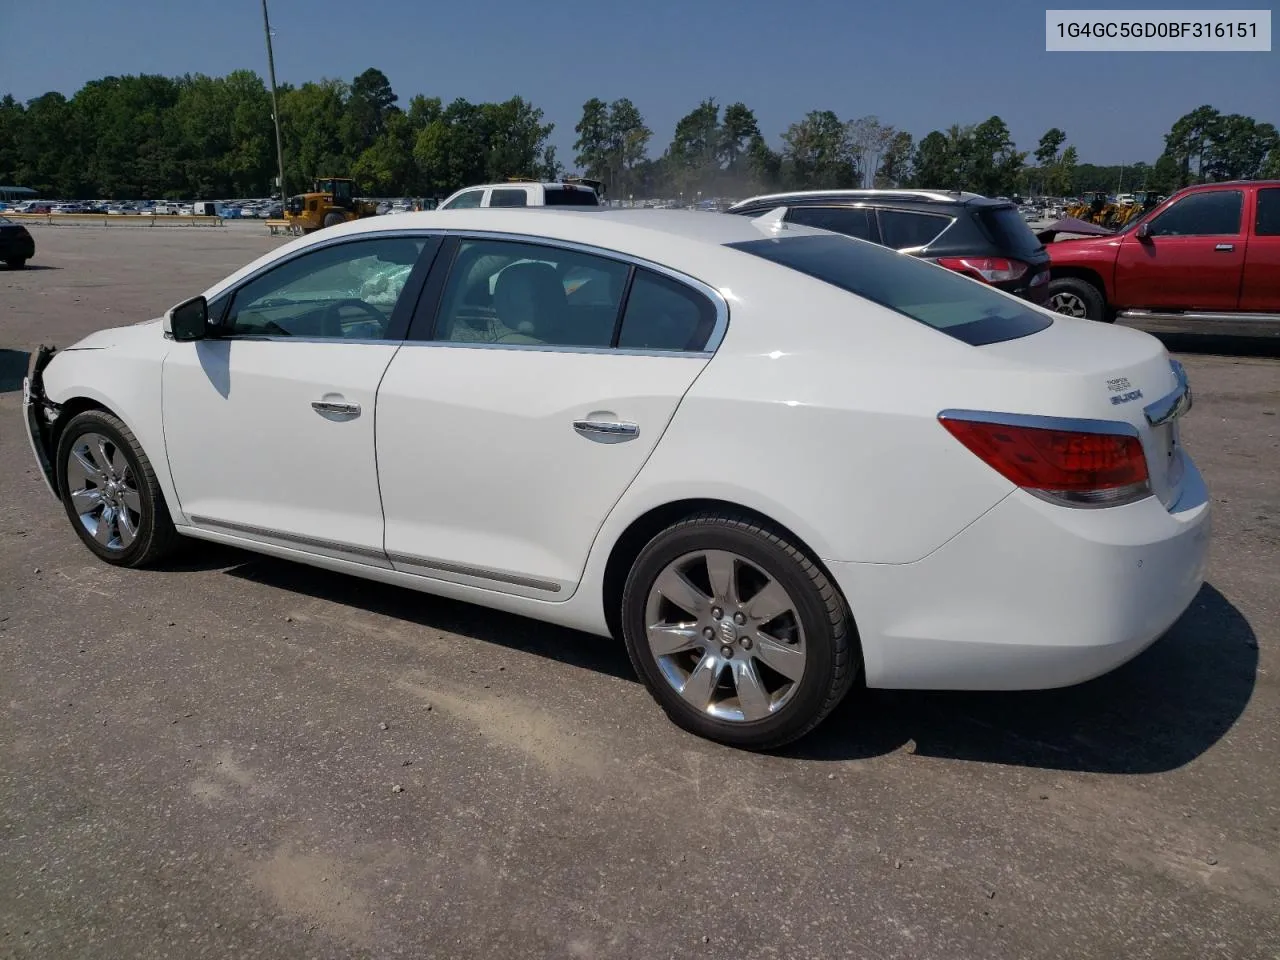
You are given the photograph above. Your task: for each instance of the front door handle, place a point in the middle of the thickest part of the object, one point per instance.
(607, 431)
(340, 407)
(1225, 247)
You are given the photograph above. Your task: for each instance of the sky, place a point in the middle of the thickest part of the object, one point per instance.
(919, 65)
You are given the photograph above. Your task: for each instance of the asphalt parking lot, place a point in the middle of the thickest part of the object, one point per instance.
(199, 761)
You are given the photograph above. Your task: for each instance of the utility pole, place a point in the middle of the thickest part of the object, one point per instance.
(275, 109)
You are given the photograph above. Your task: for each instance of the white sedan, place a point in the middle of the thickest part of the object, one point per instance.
(771, 458)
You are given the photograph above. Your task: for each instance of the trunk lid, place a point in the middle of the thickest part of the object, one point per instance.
(1096, 371)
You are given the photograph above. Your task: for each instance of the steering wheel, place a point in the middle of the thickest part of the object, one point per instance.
(333, 314)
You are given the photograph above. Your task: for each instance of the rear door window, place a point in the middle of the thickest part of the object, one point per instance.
(1268, 221)
(901, 229)
(926, 293)
(851, 221)
(508, 198)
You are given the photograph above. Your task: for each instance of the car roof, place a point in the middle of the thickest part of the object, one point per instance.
(919, 196)
(600, 226)
(681, 239)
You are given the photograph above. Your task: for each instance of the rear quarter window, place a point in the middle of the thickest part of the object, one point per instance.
(903, 229)
(932, 295)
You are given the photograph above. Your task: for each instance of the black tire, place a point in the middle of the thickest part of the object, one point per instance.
(832, 658)
(155, 534)
(1071, 295)
(333, 219)
(16, 263)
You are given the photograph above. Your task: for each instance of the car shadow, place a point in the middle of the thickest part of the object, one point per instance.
(13, 368)
(1219, 344)
(29, 266)
(440, 613)
(1156, 713)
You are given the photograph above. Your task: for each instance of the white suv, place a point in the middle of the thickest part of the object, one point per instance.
(519, 193)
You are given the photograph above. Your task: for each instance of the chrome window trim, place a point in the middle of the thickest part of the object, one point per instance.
(276, 338)
(1116, 428)
(1174, 403)
(553, 348)
(714, 339)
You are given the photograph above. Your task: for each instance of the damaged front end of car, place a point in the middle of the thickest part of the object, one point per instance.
(40, 414)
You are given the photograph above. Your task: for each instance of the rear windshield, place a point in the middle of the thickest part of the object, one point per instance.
(575, 197)
(933, 295)
(1009, 231)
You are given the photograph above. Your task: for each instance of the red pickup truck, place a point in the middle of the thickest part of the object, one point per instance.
(1209, 254)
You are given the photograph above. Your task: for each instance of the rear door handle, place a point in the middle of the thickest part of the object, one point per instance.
(341, 407)
(1225, 247)
(607, 431)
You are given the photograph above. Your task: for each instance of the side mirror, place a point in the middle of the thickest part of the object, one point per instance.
(1143, 232)
(188, 320)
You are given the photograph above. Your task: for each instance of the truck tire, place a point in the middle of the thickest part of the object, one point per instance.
(333, 219)
(1075, 297)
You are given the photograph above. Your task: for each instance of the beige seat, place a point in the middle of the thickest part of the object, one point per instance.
(530, 303)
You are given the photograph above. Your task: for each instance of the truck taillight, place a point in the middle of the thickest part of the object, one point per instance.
(1073, 467)
(990, 269)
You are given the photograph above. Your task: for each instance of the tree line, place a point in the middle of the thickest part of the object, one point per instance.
(197, 136)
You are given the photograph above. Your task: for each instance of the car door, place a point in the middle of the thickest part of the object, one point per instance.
(1260, 288)
(1191, 259)
(519, 411)
(269, 422)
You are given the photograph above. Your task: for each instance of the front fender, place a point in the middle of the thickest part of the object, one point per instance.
(124, 379)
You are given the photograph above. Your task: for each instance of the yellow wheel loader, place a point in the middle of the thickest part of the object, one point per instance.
(330, 202)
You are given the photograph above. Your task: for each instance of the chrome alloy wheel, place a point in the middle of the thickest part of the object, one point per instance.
(103, 490)
(1069, 304)
(726, 635)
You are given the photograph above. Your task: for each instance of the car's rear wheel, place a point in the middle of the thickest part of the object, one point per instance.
(739, 635)
(110, 491)
(16, 263)
(1074, 297)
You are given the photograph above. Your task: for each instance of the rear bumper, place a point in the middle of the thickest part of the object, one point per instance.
(1039, 294)
(23, 247)
(1032, 595)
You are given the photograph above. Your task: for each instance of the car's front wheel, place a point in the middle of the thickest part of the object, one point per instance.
(1077, 298)
(16, 263)
(739, 635)
(110, 491)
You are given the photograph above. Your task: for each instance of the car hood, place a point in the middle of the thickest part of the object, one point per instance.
(117, 336)
(1061, 249)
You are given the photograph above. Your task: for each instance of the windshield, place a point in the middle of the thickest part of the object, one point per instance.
(957, 306)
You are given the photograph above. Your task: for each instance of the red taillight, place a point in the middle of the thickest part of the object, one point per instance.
(1069, 466)
(990, 269)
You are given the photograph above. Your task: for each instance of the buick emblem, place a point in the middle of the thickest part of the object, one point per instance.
(728, 634)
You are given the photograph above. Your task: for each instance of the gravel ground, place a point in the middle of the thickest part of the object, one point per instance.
(237, 756)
